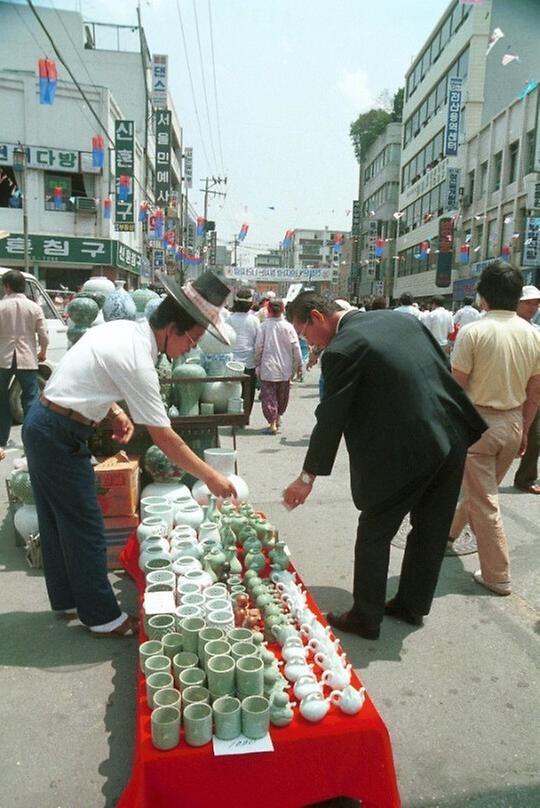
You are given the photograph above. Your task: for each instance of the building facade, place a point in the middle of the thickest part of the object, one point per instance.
(379, 199)
(467, 131)
(69, 234)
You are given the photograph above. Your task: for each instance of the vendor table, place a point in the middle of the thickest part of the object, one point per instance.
(340, 756)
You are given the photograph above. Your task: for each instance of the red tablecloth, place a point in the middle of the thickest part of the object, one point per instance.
(340, 756)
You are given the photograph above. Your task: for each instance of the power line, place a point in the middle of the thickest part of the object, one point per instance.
(204, 84)
(215, 86)
(81, 60)
(191, 82)
(21, 17)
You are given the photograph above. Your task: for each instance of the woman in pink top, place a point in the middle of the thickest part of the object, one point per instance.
(277, 359)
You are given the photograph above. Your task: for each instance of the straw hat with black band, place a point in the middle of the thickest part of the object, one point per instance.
(203, 300)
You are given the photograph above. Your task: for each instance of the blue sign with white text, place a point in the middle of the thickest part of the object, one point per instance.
(455, 84)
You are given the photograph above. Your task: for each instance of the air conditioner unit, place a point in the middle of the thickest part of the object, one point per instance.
(85, 204)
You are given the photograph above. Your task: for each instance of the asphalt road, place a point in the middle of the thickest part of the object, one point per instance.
(460, 696)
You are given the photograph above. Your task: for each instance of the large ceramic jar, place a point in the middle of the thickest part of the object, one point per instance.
(98, 283)
(221, 460)
(159, 467)
(21, 487)
(164, 372)
(234, 369)
(216, 364)
(75, 332)
(82, 311)
(150, 307)
(119, 305)
(186, 396)
(26, 521)
(170, 489)
(141, 297)
(211, 345)
(190, 514)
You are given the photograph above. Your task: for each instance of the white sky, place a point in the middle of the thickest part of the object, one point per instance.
(291, 76)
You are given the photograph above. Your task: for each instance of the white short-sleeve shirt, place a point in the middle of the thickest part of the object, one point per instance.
(112, 362)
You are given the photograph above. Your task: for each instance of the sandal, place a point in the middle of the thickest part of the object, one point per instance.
(129, 628)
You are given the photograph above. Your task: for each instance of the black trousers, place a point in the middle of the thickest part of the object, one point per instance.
(431, 503)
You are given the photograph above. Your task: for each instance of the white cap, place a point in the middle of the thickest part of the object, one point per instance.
(269, 295)
(530, 293)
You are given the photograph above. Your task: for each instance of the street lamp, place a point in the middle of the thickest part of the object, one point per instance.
(19, 167)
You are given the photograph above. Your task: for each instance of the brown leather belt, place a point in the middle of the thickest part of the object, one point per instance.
(75, 416)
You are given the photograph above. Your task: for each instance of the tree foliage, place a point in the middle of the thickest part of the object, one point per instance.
(369, 125)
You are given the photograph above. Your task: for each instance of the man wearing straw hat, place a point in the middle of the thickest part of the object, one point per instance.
(111, 362)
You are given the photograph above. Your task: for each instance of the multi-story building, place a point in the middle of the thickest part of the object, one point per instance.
(466, 159)
(271, 258)
(501, 209)
(379, 196)
(69, 237)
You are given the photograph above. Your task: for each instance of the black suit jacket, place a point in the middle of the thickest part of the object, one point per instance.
(389, 391)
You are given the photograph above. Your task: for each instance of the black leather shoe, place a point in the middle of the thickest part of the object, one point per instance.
(353, 625)
(394, 609)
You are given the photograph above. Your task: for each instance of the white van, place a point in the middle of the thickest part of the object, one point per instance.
(58, 343)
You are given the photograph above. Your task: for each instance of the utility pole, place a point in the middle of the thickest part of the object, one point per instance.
(19, 166)
(209, 184)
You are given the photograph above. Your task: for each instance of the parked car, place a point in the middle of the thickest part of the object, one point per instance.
(58, 343)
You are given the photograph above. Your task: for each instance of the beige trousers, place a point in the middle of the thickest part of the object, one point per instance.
(487, 462)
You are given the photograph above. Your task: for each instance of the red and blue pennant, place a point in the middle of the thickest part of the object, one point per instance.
(201, 226)
(107, 207)
(378, 250)
(243, 232)
(464, 253)
(58, 197)
(48, 80)
(98, 151)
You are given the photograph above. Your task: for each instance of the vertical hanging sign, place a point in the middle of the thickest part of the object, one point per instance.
(455, 84)
(159, 80)
(163, 157)
(124, 145)
(188, 166)
(443, 273)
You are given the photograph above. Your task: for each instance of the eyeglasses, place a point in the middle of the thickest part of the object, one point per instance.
(190, 338)
(303, 331)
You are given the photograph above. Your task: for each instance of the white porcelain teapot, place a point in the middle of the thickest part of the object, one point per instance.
(349, 700)
(305, 685)
(296, 667)
(314, 707)
(337, 678)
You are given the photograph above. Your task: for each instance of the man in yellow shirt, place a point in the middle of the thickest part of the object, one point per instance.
(497, 361)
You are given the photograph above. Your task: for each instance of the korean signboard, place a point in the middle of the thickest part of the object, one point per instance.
(159, 80)
(373, 232)
(62, 250)
(455, 84)
(59, 249)
(452, 189)
(212, 244)
(188, 167)
(163, 157)
(126, 257)
(443, 273)
(531, 247)
(536, 165)
(124, 144)
(356, 218)
(276, 274)
(59, 160)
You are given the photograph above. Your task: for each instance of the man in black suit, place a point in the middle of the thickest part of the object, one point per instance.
(407, 425)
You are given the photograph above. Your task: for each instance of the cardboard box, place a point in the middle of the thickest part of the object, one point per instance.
(117, 482)
(118, 529)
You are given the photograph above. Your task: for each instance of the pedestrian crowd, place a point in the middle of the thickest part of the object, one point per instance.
(433, 408)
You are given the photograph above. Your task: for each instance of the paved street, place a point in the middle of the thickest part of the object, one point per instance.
(459, 696)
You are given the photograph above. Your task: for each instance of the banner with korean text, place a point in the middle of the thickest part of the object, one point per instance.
(163, 157)
(451, 140)
(124, 144)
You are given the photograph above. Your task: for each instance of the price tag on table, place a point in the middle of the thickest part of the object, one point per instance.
(242, 745)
